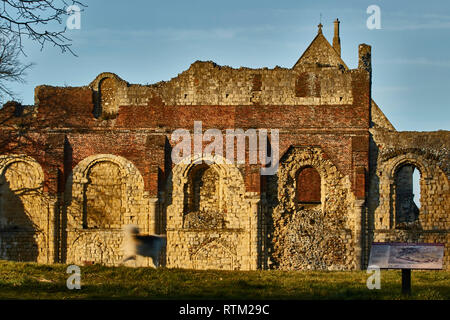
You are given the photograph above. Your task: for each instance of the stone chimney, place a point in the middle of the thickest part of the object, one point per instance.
(336, 38)
(365, 57)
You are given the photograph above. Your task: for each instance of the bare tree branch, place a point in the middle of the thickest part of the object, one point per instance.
(31, 19)
(11, 68)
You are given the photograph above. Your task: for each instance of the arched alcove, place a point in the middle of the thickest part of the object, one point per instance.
(308, 186)
(105, 88)
(203, 207)
(103, 196)
(103, 193)
(206, 199)
(23, 216)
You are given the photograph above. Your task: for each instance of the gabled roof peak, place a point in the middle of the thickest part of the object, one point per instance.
(320, 53)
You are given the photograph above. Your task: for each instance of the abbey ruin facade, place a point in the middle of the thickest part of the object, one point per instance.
(82, 162)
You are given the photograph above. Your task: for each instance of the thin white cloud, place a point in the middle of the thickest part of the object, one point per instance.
(418, 61)
(178, 34)
(407, 26)
(389, 89)
(406, 21)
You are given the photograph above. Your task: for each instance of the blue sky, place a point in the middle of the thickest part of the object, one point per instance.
(145, 41)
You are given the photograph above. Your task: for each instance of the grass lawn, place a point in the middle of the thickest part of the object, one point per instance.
(34, 281)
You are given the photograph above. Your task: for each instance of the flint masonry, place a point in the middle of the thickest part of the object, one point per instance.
(84, 161)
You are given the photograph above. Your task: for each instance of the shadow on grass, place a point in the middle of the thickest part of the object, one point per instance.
(228, 291)
(33, 281)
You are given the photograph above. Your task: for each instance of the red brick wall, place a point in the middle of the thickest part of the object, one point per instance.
(308, 185)
(141, 134)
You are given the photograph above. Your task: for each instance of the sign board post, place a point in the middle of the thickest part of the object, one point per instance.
(406, 281)
(406, 256)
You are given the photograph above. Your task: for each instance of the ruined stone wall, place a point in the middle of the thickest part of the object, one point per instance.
(152, 116)
(429, 153)
(206, 83)
(96, 211)
(251, 97)
(235, 238)
(101, 159)
(25, 215)
(107, 159)
(228, 245)
(311, 237)
(67, 107)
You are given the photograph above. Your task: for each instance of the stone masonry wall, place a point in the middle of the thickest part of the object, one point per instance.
(318, 237)
(100, 158)
(95, 217)
(25, 220)
(429, 153)
(206, 83)
(222, 246)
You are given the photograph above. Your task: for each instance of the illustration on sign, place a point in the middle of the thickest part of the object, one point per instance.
(406, 256)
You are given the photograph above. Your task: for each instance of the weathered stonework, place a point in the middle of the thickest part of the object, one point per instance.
(208, 245)
(103, 193)
(429, 153)
(25, 216)
(82, 162)
(317, 237)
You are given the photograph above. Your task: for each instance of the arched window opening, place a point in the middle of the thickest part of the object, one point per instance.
(105, 99)
(407, 192)
(309, 186)
(416, 187)
(202, 201)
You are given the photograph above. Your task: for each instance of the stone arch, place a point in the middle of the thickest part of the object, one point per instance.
(6, 160)
(416, 160)
(97, 247)
(236, 230)
(231, 180)
(95, 83)
(405, 210)
(214, 255)
(389, 174)
(129, 177)
(129, 203)
(294, 160)
(24, 218)
(295, 240)
(432, 223)
(105, 88)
